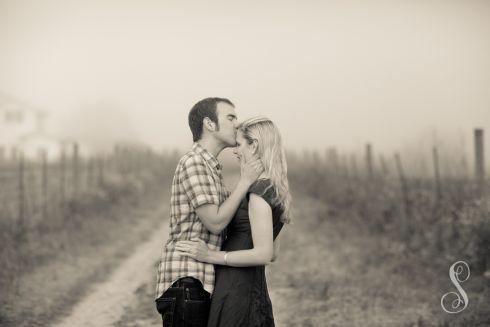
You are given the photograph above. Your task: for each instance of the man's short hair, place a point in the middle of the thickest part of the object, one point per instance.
(202, 109)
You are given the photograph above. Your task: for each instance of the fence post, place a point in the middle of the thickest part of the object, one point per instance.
(21, 230)
(406, 197)
(384, 165)
(75, 169)
(44, 183)
(437, 176)
(369, 160)
(479, 160)
(62, 172)
(21, 185)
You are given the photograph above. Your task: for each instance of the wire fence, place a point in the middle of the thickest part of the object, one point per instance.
(425, 214)
(34, 189)
(47, 202)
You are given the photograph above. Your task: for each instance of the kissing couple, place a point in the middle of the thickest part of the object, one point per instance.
(212, 268)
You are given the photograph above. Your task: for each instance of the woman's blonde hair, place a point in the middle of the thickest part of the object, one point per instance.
(271, 152)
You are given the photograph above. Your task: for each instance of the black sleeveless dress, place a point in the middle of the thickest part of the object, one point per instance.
(240, 296)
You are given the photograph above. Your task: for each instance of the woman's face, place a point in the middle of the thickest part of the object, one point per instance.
(243, 150)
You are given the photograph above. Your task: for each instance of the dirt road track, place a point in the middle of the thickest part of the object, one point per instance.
(104, 305)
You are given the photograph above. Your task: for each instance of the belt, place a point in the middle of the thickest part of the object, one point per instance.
(186, 281)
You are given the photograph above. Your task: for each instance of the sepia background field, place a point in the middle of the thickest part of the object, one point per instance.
(371, 243)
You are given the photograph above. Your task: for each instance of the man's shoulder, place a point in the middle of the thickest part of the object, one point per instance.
(190, 159)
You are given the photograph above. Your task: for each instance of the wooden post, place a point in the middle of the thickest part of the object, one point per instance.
(479, 160)
(21, 185)
(384, 165)
(62, 172)
(44, 184)
(20, 228)
(401, 173)
(406, 197)
(437, 176)
(75, 170)
(369, 160)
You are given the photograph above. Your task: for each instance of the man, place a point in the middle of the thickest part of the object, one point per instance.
(201, 208)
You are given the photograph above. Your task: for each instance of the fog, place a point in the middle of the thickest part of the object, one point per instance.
(399, 74)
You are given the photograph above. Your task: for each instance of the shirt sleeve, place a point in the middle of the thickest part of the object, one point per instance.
(198, 184)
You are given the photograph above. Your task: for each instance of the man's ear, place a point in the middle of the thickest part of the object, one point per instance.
(209, 124)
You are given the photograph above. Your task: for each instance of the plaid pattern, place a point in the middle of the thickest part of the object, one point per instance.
(197, 181)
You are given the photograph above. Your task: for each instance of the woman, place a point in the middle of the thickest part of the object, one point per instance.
(240, 295)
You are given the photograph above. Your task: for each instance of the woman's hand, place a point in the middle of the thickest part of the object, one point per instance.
(196, 249)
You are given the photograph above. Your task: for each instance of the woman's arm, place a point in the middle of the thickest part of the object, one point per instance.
(260, 214)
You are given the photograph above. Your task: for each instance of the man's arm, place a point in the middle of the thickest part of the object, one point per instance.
(215, 218)
(203, 194)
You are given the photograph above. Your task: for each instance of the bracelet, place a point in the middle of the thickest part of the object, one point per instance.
(226, 262)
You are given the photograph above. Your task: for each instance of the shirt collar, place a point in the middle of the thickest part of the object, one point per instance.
(210, 159)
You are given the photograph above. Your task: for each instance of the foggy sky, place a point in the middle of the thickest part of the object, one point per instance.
(330, 73)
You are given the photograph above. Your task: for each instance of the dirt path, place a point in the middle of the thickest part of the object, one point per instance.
(105, 305)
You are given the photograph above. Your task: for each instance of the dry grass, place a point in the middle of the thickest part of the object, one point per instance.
(48, 263)
(333, 273)
(101, 243)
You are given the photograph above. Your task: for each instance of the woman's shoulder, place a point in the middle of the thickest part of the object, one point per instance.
(260, 184)
(264, 188)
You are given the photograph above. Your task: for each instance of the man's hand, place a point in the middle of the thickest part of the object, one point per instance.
(196, 249)
(251, 170)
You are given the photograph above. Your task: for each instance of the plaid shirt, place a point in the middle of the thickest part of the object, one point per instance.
(197, 181)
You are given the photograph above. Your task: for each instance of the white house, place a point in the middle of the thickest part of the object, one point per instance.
(22, 129)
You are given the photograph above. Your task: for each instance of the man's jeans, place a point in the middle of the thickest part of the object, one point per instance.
(185, 304)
